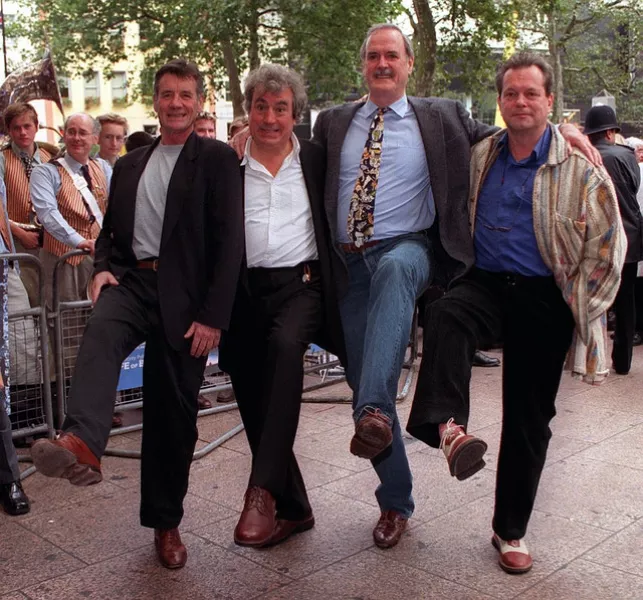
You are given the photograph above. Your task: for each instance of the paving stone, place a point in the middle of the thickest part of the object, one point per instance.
(622, 551)
(583, 580)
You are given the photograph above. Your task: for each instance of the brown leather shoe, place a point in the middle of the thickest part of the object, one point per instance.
(170, 548)
(463, 452)
(389, 529)
(514, 556)
(203, 402)
(285, 528)
(373, 434)
(257, 521)
(67, 457)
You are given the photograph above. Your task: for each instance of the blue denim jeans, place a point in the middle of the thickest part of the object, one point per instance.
(377, 313)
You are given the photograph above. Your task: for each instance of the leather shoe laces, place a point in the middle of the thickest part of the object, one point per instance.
(256, 498)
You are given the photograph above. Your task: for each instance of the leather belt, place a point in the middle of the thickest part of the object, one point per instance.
(353, 249)
(152, 264)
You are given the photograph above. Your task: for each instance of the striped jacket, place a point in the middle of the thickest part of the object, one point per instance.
(580, 237)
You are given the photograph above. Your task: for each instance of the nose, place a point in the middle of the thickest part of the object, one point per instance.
(382, 63)
(269, 116)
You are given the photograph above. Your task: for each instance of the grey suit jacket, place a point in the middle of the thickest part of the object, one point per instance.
(448, 132)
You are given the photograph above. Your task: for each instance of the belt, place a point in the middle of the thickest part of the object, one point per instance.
(353, 249)
(152, 264)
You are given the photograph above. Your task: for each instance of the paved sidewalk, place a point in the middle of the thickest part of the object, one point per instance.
(586, 533)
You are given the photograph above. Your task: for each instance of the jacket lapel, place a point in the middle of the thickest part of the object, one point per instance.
(179, 191)
(432, 132)
(308, 168)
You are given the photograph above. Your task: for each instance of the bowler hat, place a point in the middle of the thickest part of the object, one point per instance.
(600, 118)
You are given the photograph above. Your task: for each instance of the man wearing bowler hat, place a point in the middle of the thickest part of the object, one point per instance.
(620, 163)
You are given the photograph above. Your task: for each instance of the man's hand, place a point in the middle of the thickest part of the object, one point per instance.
(99, 282)
(581, 142)
(204, 338)
(87, 245)
(238, 142)
(29, 239)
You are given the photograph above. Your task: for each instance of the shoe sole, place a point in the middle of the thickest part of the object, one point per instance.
(506, 568)
(467, 459)
(55, 461)
(367, 445)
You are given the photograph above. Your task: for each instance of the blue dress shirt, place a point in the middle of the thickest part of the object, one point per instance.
(404, 201)
(504, 230)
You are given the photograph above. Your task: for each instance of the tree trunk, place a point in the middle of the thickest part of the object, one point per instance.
(253, 29)
(233, 76)
(425, 47)
(555, 52)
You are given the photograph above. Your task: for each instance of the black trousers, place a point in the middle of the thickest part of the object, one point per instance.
(536, 325)
(624, 308)
(124, 316)
(271, 331)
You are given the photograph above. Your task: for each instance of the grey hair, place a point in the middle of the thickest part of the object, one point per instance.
(634, 142)
(380, 26)
(94, 122)
(276, 78)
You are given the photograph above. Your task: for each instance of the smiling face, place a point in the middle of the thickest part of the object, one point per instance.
(524, 103)
(271, 119)
(79, 137)
(386, 66)
(23, 131)
(177, 104)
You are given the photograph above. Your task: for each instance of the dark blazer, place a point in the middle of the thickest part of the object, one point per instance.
(620, 162)
(448, 134)
(202, 241)
(330, 336)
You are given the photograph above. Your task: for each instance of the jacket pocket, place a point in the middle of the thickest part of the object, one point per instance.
(569, 239)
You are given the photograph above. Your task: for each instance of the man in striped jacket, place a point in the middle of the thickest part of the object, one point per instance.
(549, 246)
(17, 161)
(69, 195)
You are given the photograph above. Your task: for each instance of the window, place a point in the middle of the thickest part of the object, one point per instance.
(92, 87)
(119, 87)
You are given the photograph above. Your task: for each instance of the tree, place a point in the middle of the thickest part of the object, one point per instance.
(576, 32)
(225, 37)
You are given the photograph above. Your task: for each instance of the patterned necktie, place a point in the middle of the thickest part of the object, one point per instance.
(28, 162)
(362, 207)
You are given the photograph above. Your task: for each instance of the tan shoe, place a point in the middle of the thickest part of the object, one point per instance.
(463, 452)
(389, 529)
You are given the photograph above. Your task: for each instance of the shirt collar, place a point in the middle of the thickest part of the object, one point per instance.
(399, 107)
(248, 160)
(538, 154)
(18, 151)
(73, 163)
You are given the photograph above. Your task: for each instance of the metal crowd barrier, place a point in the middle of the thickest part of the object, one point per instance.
(29, 398)
(69, 320)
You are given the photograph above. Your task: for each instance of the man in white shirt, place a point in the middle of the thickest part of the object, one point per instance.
(285, 301)
(69, 195)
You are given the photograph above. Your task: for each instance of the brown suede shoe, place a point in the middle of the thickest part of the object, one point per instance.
(389, 529)
(67, 457)
(285, 528)
(373, 434)
(257, 521)
(170, 548)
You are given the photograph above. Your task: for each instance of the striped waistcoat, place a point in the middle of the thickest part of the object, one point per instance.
(74, 210)
(15, 179)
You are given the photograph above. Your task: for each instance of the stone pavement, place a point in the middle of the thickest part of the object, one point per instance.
(586, 533)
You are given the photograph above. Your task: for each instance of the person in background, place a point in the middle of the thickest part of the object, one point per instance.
(138, 139)
(206, 125)
(112, 136)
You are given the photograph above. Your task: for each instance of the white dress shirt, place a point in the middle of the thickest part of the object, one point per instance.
(278, 218)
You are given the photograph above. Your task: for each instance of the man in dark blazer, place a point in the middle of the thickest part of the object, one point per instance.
(167, 267)
(417, 232)
(286, 300)
(620, 162)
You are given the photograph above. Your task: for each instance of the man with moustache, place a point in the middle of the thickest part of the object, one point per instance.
(549, 246)
(285, 301)
(167, 265)
(396, 193)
